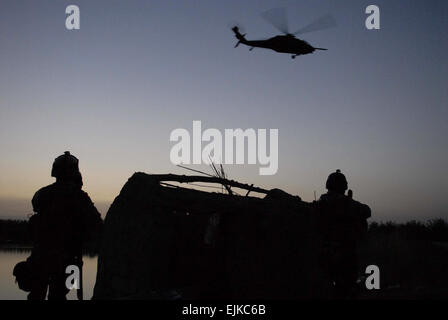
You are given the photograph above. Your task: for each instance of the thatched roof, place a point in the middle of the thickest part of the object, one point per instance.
(207, 244)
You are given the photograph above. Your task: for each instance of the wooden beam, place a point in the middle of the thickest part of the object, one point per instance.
(187, 179)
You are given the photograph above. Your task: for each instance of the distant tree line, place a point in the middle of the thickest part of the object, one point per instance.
(412, 256)
(432, 230)
(14, 232)
(17, 233)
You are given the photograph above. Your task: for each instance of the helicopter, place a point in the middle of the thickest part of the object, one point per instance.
(286, 43)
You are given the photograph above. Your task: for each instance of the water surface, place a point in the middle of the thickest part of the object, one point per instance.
(9, 289)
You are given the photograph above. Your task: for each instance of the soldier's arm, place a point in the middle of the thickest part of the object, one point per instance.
(365, 211)
(361, 210)
(92, 218)
(36, 202)
(35, 221)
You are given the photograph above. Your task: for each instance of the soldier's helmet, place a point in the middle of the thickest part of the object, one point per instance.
(336, 182)
(66, 167)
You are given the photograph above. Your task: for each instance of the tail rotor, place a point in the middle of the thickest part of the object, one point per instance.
(239, 33)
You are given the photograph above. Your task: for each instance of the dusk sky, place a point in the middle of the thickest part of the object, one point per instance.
(374, 105)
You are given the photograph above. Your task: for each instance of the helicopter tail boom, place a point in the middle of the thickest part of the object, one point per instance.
(320, 49)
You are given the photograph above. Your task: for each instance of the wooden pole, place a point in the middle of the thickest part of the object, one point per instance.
(187, 179)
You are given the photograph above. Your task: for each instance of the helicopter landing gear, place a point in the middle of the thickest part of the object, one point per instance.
(294, 56)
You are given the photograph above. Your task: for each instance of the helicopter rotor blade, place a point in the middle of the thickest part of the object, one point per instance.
(278, 18)
(325, 22)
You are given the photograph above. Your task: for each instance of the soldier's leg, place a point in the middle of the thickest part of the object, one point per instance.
(57, 287)
(348, 273)
(39, 290)
(39, 283)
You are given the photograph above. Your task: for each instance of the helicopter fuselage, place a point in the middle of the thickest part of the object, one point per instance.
(281, 43)
(284, 44)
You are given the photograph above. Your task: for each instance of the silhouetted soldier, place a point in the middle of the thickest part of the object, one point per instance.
(64, 218)
(344, 225)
